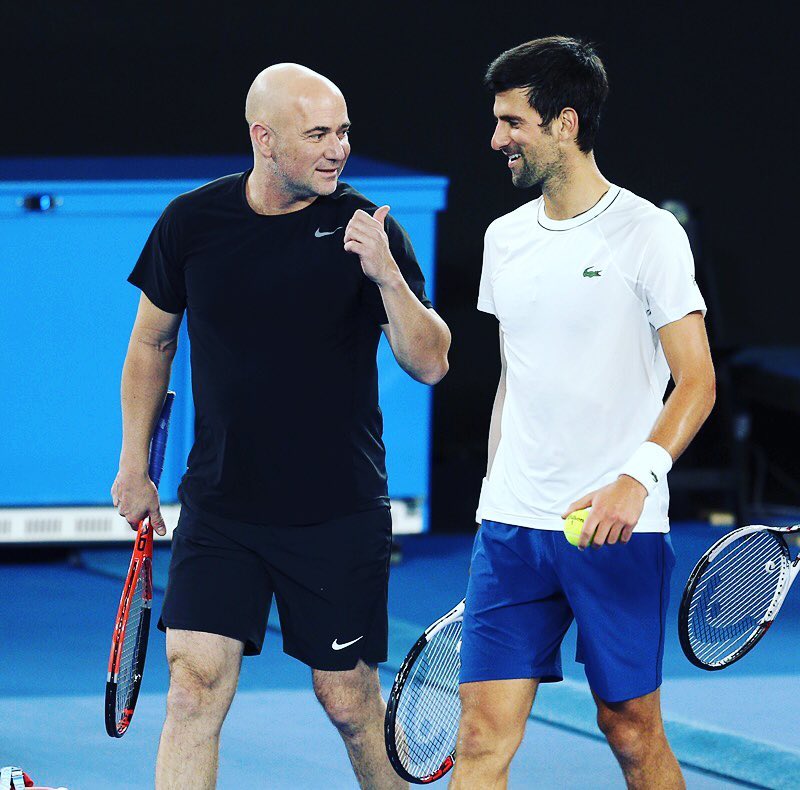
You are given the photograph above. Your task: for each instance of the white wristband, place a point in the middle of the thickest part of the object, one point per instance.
(649, 465)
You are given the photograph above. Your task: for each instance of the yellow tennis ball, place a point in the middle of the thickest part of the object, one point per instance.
(573, 524)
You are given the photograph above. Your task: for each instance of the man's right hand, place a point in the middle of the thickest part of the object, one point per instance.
(135, 497)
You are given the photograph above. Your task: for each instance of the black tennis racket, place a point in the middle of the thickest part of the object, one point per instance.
(734, 594)
(424, 708)
(132, 626)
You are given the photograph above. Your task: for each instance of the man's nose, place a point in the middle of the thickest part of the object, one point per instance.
(500, 138)
(336, 151)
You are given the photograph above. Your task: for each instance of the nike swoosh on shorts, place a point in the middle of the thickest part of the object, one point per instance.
(337, 646)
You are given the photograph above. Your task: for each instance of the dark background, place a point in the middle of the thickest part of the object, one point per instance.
(702, 108)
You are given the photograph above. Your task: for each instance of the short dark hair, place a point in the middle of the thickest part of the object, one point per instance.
(558, 72)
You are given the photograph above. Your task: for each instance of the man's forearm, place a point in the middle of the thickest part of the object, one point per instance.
(419, 338)
(145, 378)
(685, 411)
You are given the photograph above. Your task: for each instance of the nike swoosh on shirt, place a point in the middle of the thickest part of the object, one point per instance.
(320, 233)
(337, 646)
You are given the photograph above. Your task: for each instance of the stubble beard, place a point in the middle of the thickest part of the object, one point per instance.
(299, 190)
(529, 175)
(538, 174)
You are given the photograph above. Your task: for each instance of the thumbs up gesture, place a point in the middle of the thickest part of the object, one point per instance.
(366, 237)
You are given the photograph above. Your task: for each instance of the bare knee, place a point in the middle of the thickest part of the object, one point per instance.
(484, 737)
(350, 699)
(630, 736)
(493, 717)
(198, 692)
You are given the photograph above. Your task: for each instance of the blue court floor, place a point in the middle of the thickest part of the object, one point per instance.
(736, 728)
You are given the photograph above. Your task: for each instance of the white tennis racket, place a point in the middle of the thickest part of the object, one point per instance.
(734, 594)
(424, 707)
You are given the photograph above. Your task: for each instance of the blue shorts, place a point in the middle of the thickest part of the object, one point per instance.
(527, 585)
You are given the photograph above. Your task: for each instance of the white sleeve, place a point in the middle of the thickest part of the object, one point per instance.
(486, 291)
(666, 281)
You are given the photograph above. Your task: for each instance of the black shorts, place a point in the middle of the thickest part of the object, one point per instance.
(330, 582)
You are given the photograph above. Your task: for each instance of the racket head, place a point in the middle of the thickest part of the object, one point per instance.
(732, 596)
(131, 632)
(424, 708)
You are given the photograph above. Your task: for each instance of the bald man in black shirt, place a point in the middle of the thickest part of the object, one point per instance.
(288, 277)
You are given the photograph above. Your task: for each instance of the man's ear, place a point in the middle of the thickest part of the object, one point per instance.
(567, 125)
(262, 138)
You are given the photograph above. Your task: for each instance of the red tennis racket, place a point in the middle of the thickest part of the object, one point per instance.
(132, 627)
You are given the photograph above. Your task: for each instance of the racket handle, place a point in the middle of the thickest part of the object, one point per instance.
(158, 444)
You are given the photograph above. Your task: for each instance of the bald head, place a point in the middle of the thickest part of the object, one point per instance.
(286, 90)
(299, 133)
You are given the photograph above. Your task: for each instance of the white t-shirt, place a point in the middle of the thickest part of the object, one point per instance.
(580, 302)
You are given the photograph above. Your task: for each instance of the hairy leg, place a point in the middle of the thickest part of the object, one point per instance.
(352, 699)
(635, 732)
(204, 670)
(493, 717)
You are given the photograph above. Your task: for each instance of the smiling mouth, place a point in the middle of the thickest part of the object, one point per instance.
(513, 157)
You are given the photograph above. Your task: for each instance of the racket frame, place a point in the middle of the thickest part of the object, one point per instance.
(454, 615)
(141, 563)
(774, 607)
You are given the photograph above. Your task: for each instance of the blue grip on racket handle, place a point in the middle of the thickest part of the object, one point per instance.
(158, 444)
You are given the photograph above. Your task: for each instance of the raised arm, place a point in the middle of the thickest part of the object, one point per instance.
(145, 377)
(419, 338)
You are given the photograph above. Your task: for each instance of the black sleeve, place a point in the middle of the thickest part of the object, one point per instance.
(159, 271)
(403, 253)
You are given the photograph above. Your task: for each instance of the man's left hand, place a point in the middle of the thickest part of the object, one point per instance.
(366, 237)
(615, 511)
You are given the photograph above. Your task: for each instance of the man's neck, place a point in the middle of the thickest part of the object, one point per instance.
(266, 196)
(580, 186)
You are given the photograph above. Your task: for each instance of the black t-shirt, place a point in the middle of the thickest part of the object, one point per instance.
(284, 329)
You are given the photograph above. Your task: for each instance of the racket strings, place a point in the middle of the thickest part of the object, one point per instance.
(734, 602)
(733, 553)
(726, 602)
(754, 584)
(723, 618)
(129, 672)
(429, 708)
(733, 595)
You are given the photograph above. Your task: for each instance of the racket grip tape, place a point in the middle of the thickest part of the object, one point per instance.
(158, 444)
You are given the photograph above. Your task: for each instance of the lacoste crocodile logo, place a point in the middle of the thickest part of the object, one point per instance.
(591, 272)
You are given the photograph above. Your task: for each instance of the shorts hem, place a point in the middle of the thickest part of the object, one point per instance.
(543, 676)
(624, 696)
(334, 666)
(251, 648)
